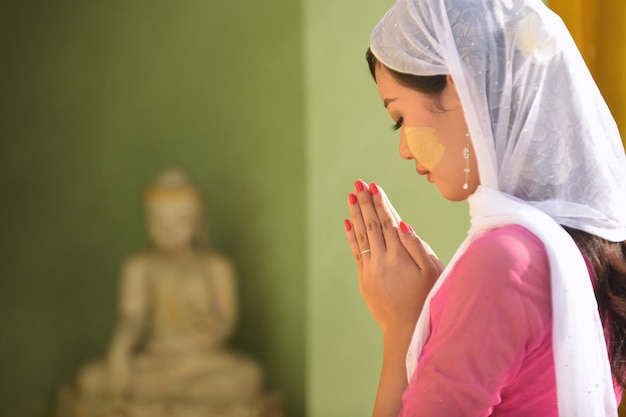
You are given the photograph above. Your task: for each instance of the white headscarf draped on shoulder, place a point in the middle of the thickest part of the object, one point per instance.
(548, 153)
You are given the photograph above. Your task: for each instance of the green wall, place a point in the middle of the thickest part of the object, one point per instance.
(96, 98)
(270, 108)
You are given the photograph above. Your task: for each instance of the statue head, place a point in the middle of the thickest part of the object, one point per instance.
(176, 215)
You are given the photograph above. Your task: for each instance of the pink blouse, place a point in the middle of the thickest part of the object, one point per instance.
(490, 348)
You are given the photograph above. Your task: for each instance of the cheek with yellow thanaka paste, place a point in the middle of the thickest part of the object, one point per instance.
(424, 144)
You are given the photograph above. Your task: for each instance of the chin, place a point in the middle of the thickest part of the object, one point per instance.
(456, 199)
(454, 195)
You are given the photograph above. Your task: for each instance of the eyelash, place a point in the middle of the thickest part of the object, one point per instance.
(398, 124)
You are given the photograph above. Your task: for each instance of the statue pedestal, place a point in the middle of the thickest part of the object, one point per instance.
(71, 404)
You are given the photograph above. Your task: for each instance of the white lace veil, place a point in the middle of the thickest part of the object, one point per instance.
(548, 153)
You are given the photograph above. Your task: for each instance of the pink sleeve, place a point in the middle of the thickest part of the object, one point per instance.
(492, 310)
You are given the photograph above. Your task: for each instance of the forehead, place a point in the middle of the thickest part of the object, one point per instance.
(388, 87)
(391, 90)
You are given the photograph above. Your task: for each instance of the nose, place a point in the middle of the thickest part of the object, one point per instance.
(405, 152)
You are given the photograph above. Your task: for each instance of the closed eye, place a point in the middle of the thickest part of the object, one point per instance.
(398, 124)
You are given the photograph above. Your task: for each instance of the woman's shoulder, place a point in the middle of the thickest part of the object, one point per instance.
(511, 245)
(503, 277)
(510, 235)
(504, 259)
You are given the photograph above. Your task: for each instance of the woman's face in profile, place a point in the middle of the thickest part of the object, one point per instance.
(433, 133)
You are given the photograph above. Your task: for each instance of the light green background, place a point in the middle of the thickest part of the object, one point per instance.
(269, 106)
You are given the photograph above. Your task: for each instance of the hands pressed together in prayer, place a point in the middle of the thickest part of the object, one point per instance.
(396, 268)
(396, 271)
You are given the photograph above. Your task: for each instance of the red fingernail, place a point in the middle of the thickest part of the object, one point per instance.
(348, 225)
(405, 227)
(373, 188)
(352, 198)
(359, 185)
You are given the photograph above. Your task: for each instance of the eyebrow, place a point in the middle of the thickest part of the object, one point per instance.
(389, 100)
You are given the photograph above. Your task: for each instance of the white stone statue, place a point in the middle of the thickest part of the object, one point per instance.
(177, 308)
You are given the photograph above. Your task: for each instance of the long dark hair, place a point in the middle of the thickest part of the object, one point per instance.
(608, 259)
(431, 85)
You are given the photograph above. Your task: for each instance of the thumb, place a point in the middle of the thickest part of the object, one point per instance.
(420, 251)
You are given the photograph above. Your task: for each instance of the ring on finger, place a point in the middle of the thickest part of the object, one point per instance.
(365, 251)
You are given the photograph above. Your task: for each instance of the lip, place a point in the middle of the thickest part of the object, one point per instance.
(424, 172)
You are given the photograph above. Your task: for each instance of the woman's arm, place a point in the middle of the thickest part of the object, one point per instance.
(393, 377)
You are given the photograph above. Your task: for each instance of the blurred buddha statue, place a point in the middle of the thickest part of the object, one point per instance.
(177, 308)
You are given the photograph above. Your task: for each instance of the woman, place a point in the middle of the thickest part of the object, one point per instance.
(495, 105)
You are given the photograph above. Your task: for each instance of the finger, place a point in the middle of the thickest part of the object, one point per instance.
(396, 216)
(351, 234)
(386, 215)
(431, 253)
(416, 248)
(360, 239)
(371, 221)
(438, 264)
(352, 241)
